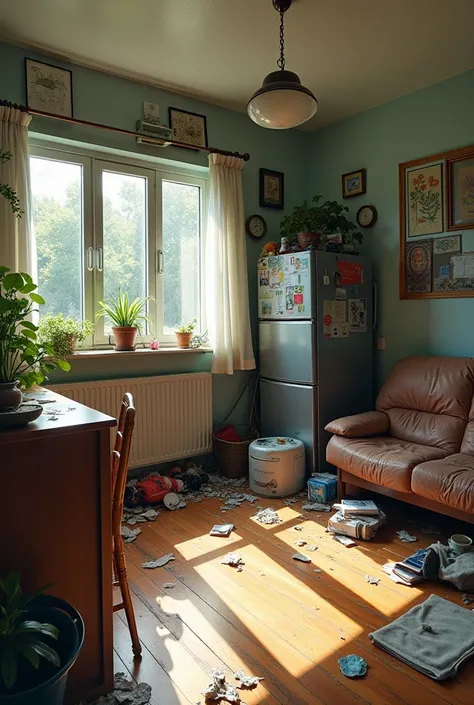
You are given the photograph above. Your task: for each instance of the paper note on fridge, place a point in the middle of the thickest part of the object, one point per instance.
(351, 272)
(358, 315)
(463, 267)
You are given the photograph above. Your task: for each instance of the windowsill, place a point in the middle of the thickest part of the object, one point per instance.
(88, 354)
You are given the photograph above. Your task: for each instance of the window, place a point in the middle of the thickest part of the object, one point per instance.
(102, 224)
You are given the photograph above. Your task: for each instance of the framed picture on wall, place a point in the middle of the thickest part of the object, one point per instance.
(48, 88)
(425, 200)
(271, 189)
(460, 193)
(188, 128)
(354, 183)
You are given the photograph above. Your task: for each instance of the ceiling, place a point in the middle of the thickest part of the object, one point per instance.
(353, 54)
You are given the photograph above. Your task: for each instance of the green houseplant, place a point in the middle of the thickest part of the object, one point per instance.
(312, 223)
(127, 318)
(63, 334)
(184, 333)
(7, 191)
(40, 639)
(24, 361)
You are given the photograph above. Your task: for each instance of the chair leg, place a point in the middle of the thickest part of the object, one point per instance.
(121, 568)
(341, 486)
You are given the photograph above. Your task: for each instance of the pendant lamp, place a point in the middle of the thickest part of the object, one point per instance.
(282, 102)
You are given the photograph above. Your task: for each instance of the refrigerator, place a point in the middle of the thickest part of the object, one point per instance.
(316, 322)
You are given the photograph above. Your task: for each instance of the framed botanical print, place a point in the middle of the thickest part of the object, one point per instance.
(460, 192)
(188, 128)
(425, 200)
(48, 88)
(354, 183)
(271, 189)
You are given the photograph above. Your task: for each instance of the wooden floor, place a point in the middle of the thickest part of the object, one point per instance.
(277, 618)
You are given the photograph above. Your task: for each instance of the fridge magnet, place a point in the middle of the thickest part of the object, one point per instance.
(354, 183)
(271, 189)
(358, 315)
(350, 272)
(340, 330)
(425, 201)
(340, 294)
(264, 278)
(48, 88)
(328, 317)
(266, 307)
(444, 250)
(418, 266)
(461, 194)
(188, 128)
(298, 298)
(290, 302)
(279, 302)
(339, 312)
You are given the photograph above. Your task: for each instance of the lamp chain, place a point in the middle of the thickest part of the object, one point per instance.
(281, 60)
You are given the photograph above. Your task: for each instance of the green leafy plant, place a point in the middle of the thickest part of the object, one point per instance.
(188, 328)
(200, 341)
(323, 218)
(123, 313)
(7, 191)
(22, 356)
(21, 639)
(63, 334)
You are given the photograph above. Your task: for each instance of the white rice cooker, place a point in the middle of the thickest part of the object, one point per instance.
(276, 466)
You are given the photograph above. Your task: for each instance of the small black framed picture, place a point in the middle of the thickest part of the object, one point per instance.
(188, 128)
(271, 189)
(48, 88)
(354, 183)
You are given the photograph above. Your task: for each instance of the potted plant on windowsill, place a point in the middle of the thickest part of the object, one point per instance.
(127, 318)
(63, 334)
(184, 334)
(40, 639)
(312, 223)
(24, 360)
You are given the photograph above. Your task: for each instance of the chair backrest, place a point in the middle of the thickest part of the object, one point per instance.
(428, 400)
(119, 460)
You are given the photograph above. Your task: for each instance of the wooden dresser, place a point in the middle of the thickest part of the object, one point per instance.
(55, 524)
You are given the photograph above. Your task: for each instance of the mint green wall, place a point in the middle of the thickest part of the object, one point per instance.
(110, 100)
(432, 120)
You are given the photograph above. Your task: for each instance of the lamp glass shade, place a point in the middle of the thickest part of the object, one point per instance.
(282, 102)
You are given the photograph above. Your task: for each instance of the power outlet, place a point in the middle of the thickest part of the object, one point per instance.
(380, 343)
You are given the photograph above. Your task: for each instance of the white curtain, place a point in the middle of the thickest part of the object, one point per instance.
(17, 242)
(225, 270)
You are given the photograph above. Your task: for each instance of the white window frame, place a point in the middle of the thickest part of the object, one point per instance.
(93, 163)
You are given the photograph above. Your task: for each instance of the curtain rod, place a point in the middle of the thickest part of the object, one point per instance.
(130, 133)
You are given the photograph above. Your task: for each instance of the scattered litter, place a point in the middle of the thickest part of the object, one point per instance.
(126, 692)
(357, 526)
(405, 536)
(298, 528)
(300, 542)
(218, 689)
(315, 507)
(318, 570)
(301, 557)
(342, 637)
(240, 568)
(139, 515)
(353, 666)
(129, 535)
(388, 569)
(311, 547)
(467, 598)
(267, 516)
(246, 681)
(159, 562)
(345, 540)
(233, 559)
(221, 529)
(150, 514)
(290, 500)
(173, 501)
(169, 586)
(371, 580)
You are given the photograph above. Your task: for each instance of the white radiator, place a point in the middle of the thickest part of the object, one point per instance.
(174, 413)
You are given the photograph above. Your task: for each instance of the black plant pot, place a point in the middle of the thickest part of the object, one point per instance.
(47, 685)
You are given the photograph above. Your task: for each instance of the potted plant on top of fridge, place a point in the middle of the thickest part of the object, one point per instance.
(127, 318)
(312, 223)
(184, 334)
(24, 361)
(40, 639)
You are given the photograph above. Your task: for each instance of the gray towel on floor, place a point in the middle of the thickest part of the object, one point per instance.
(435, 637)
(442, 564)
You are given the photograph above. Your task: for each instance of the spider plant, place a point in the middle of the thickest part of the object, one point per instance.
(123, 313)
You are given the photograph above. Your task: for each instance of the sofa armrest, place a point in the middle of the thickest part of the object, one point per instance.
(371, 423)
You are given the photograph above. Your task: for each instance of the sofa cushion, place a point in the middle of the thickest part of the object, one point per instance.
(467, 445)
(428, 400)
(370, 423)
(383, 460)
(449, 481)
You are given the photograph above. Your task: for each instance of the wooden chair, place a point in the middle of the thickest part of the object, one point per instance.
(119, 469)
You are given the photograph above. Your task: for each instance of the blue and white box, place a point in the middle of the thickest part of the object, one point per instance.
(322, 487)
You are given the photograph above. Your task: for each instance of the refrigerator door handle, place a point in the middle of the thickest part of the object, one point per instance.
(376, 304)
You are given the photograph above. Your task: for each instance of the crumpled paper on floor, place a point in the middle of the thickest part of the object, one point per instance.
(301, 557)
(129, 535)
(159, 562)
(405, 536)
(267, 516)
(371, 580)
(233, 559)
(126, 692)
(315, 507)
(246, 681)
(218, 689)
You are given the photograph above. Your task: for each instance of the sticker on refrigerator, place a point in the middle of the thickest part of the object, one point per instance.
(328, 317)
(339, 312)
(340, 294)
(350, 272)
(290, 300)
(266, 307)
(298, 298)
(279, 302)
(301, 263)
(358, 315)
(264, 277)
(339, 330)
(275, 273)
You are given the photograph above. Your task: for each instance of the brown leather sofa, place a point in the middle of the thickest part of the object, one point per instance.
(418, 446)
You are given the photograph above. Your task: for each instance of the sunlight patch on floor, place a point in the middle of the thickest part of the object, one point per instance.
(286, 514)
(193, 548)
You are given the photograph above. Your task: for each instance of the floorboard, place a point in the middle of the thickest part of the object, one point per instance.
(277, 618)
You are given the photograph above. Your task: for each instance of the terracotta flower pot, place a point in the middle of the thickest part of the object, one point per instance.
(70, 341)
(124, 338)
(184, 339)
(10, 396)
(305, 240)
